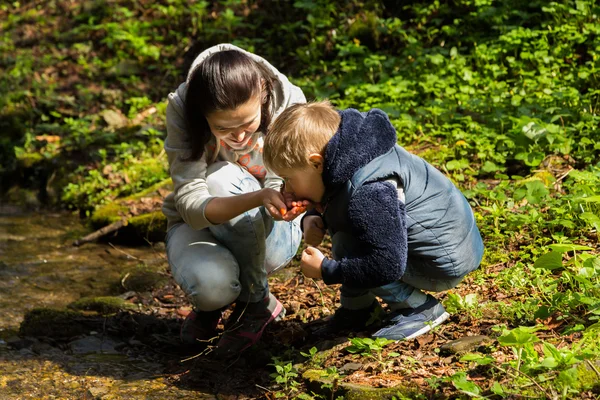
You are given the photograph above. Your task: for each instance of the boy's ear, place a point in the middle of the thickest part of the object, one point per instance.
(317, 161)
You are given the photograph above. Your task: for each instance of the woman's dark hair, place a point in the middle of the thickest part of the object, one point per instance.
(224, 81)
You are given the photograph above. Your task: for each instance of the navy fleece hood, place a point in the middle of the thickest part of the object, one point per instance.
(361, 138)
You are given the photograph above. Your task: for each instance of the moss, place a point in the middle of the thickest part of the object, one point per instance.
(360, 392)
(164, 184)
(142, 279)
(52, 323)
(321, 385)
(25, 197)
(587, 375)
(108, 214)
(102, 305)
(151, 226)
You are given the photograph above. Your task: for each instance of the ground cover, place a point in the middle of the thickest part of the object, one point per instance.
(502, 96)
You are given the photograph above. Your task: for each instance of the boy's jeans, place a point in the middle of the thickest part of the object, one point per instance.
(419, 274)
(222, 263)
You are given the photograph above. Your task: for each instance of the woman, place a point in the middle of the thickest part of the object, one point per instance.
(225, 228)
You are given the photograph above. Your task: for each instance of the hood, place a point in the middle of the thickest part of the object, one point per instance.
(361, 138)
(226, 46)
(284, 93)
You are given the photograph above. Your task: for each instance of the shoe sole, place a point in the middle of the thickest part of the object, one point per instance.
(428, 327)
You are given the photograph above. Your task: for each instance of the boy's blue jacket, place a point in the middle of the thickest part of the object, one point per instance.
(434, 224)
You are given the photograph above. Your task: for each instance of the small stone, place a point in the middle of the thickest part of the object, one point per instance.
(18, 343)
(351, 367)
(94, 344)
(464, 344)
(114, 119)
(98, 391)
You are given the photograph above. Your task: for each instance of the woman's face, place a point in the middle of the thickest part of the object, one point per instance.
(236, 127)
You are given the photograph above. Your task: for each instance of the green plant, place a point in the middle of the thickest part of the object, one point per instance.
(285, 375)
(372, 348)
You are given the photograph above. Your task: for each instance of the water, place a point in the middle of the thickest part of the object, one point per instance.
(39, 267)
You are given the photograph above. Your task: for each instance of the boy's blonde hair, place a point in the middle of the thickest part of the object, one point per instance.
(300, 130)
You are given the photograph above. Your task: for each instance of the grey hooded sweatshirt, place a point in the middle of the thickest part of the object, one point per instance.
(190, 193)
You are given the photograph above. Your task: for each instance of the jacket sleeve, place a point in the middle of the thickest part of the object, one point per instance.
(378, 221)
(190, 190)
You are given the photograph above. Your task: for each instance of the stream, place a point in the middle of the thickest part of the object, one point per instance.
(39, 267)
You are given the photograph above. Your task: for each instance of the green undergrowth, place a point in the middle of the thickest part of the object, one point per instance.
(501, 95)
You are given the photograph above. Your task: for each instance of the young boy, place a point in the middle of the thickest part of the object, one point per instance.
(398, 226)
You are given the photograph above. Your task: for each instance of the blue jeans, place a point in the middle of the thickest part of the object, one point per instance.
(222, 263)
(419, 275)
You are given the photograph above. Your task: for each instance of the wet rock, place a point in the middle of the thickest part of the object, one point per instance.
(142, 279)
(464, 344)
(53, 323)
(98, 391)
(18, 343)
(41, 348)
(102, 305)
(94, 344)
(26, 352)
(27, 198)
(127, 295)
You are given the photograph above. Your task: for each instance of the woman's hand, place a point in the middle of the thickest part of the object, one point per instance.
(314, 229)
(274, 203)
(295, 209)
(311, 263)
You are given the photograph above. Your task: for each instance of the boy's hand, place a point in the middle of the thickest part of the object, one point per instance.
(311, 263)
(314, 230)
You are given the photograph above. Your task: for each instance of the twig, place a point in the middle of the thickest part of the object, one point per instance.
(563, 176)
(593, 367)
(262, 387)
(207, 350)
(160, 255)
(124, 252)
(320, 292)
(534, 382)
(101, 232)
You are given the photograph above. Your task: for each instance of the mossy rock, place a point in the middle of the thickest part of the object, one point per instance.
(53, 323)
(320, 384)
(142, 279)
(143, 228)
(25, 197)
(151, 226)
(102, 305)
(108, 214)
(166, 184)
(588, 376)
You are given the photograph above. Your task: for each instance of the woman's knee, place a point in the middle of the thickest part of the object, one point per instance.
(211, 286)
(206, 270)
(228, 179)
